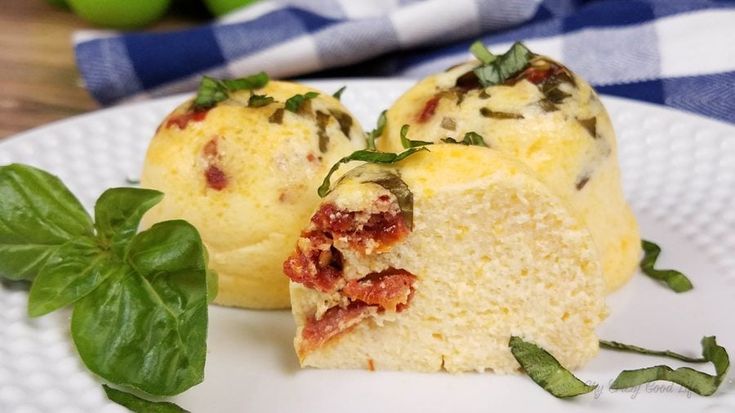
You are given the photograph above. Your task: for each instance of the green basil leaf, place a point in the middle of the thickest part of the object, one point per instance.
(294, 103)
(377, 132)
(614, 345)
(118, 212)
(146, 327)
(139, 405)
(546, 371)
(505, 66)
(251, 82)
(396, 186)
(701, 383)
(470, 138)
(366, 156)
(72, 272)
(212, 91)
(481, 52)
(672, 278)
(408, 143)
(257, 101)
(338, 94)
(38, 214)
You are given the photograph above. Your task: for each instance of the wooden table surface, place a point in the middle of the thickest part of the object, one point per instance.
(39, 82)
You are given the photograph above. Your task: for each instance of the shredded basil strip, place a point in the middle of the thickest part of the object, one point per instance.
(139, 405)
(366, 156)
(470, 138)
(408, 143)
(701, 383)
(546, 371)
(375, 133)
(481, 52)
(338, 94)
(629, 348)
(212, 91)
(257, 101)
(672, 278)
(294, 103)
(505, 66)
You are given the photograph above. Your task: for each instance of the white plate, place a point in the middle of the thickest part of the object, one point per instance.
(679, 174)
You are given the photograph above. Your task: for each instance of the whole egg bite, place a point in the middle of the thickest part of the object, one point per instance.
(245, 176)
(551, 120)
(435, 262)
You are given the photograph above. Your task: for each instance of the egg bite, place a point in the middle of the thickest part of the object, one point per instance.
(244, 174)
(433, 263)
(550, 119)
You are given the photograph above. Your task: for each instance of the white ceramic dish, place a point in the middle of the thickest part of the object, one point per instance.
(679, 175)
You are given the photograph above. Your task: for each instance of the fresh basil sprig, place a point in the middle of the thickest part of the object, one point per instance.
(338, 94)
(408, 143)
(294, 103)
(672, 278)
(497, 70)
(470, 138)
(701, 383)
(546, 371)
(139, 405)
(375, 133)
(366, 156)
(212, 91)
(629, 348)
(140, 300)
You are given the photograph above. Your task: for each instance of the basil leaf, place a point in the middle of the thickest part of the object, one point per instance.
(396, 186)
(482, 53)
(212, 91)
(378, 131)
(505, 66)
(672, 278)
(294, 103)
(470, 138)
(145, 327)
(366, 156)
(257, 101)
(408, 143)
(72, 272)
(546, 371)
(614, 345)
(38, 214)
(701, 383)
(118, 212)
(338, 94)
(138, 405)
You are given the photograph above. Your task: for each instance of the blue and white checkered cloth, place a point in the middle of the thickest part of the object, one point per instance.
(679, 53)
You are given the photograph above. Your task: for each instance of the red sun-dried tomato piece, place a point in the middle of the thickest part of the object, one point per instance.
(387, 289)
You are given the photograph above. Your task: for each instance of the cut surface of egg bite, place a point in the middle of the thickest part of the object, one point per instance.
(243, 173)
(433, 263)
(551, 120)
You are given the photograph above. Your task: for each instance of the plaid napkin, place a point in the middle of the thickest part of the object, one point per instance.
(673, 52)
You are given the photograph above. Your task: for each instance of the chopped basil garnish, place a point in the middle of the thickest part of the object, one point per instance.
(277, 116)
(139, 405)
(294, 103)
(672, 278)
(481, 52)
(366, 156)
(375, 133)
(257, 101)
(590, 125)
(699, 382)
(396, 186)
(485, 112)
(338, 94)
(470, 138)
(212, 91)
(504, 66)
(408, 143)
(614, 345)
(546, 371)
(139, 300)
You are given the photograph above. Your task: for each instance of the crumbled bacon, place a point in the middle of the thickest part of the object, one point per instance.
(316, 263)
(387, 289)
(183, 119)
(335, 321)
(429, 109)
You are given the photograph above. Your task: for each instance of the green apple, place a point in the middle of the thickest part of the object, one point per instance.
(120, 14)
(220, 7)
